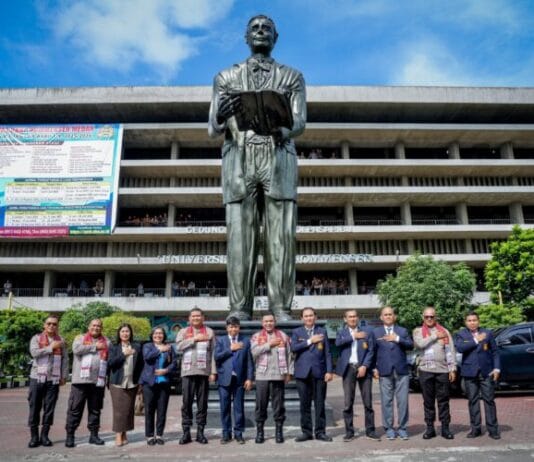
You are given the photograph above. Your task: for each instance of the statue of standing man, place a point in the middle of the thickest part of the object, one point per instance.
(259, 174)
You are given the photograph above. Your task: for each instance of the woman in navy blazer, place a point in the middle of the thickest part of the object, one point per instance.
(159, 361)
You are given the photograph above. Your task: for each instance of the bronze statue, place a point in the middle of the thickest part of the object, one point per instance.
(259, 170)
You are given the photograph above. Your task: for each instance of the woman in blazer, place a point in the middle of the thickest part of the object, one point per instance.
(125, 365)
(159, 361)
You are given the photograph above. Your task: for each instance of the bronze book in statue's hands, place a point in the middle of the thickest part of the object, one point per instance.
(264, 111)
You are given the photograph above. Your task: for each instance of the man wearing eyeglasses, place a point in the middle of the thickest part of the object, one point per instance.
(436, 369)
(50, 369)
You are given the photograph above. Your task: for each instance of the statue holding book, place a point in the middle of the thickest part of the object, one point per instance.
(260, 106)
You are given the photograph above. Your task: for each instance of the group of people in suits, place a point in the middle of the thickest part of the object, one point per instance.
(270, 358)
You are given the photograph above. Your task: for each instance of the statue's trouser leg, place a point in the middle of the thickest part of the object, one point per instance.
(242, 222)
(280, 251)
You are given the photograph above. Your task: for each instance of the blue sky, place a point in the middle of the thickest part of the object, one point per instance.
(59, 43)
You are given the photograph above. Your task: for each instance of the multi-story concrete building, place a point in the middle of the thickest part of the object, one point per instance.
(384, 172)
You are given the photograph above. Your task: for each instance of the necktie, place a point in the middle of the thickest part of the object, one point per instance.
(389, 330)
(310, 332)
(234, 356)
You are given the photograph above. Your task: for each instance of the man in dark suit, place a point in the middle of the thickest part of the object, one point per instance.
(480, 370)
(235, 372)
(391, 369)
(313, 370)
(356, 355)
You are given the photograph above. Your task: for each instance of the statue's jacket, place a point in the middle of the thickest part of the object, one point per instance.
(284, 173)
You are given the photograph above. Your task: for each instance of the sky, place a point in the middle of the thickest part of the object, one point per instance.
(73, 43)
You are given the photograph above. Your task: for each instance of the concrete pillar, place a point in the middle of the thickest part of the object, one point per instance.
(345, 150)
(507, 151)
(406, 213)
(169, 275)
(353, 281)
(454, 153)
(109, 250)
(400, 152)
(49, 283)
(516, 213)
(454, 150)
(463, 218)
(171, 215)
(109, 282)
(461, 213)
(349, 214)
(175, 154)
(175, 150)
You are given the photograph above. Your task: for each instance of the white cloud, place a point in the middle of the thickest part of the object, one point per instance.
(430, 63)
(120, 34)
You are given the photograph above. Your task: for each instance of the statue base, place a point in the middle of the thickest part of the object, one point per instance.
(292, 402)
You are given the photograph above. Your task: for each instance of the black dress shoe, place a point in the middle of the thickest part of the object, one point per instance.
(474, 434)
(349, 436)
(160, 441)
(69, 442)
(429, 433)
(151, 441)
(446, 433)
(239, 439)
(303, 437)
(372, 436)
(323, 437)
(226, 439)
(495, 436)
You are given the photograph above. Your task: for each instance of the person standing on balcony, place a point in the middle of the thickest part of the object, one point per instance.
(50, 370)
(480, 370)
(89, 372)
(391, 369)
(197, 344)
(436, 370)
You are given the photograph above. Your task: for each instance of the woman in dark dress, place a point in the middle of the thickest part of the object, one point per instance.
(125, 365)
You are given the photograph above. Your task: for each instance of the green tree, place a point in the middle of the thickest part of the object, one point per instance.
(493, 316)
(17, 327)
(75, 320)
(510, 271)
(141, 326)
(423, 281)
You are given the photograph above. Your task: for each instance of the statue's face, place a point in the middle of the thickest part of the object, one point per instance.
(261, 35)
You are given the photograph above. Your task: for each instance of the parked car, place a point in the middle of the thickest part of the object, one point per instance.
(515, 345)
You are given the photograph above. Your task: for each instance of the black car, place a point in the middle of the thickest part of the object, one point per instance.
(515, 345)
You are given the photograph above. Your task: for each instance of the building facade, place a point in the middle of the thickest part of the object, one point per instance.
(383, 172)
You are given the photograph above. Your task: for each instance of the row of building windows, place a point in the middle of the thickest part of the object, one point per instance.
(485, 152)
(179, 182)
(155, 249)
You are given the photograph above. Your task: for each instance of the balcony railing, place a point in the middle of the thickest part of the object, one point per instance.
(206, 223)
(160, 292)
(435, 221)
(377, 222)
(26, 292)
(489, 221)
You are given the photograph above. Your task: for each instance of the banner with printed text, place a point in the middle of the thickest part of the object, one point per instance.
(58, 180)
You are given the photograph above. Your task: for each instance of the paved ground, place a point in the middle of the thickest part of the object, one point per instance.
(515, 411)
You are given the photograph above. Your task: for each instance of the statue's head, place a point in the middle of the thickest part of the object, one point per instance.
(261, 34)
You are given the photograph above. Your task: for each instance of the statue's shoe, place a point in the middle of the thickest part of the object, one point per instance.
(241, 315)
(283, 316)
